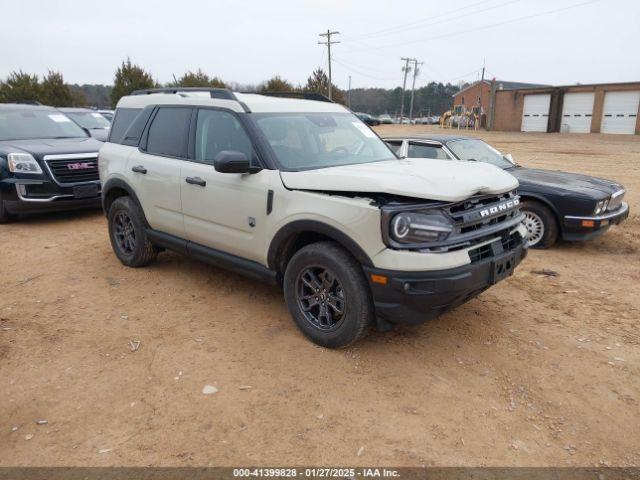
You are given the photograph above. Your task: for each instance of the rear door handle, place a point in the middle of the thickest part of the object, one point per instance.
(139, 169)
(196, 181)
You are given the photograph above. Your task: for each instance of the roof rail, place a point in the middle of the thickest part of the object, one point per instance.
(300, 95)
(221, 93)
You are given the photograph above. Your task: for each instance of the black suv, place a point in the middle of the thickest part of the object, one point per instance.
(47, 162)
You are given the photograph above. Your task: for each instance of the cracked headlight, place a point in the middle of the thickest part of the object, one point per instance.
(23, 163)
(415, 228)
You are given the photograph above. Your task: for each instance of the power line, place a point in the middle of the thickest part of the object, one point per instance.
(399, 27)
(485, 27)
(359, 69)
(421, 24)
(328, 43)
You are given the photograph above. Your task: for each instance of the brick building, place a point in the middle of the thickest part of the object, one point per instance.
(593, 108)
(478, 93)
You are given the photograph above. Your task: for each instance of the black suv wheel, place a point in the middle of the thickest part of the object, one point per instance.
(128, 234)
(328, 295)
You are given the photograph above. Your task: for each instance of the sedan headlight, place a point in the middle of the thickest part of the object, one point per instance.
(23, 163)
(601, 206)
(415, 228)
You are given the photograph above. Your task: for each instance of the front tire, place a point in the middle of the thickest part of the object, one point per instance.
(128, 234)
(328, 295)
(542, 227)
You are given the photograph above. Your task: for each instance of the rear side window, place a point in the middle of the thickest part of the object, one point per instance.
(168, 132)
(121, 122)
(426, 151)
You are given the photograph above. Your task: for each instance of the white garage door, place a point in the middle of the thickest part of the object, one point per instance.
(576, 112)
(620, 112)
(535, 114)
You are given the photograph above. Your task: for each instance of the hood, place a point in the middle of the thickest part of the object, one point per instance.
(572, 182)
(41, 147)
(442, 180)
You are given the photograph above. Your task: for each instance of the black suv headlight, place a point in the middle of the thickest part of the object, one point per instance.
(23, 163)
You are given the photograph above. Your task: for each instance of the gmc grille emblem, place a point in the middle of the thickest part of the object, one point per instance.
(80, 165)
(501, 207)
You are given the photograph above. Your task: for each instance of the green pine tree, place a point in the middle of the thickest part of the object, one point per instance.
(54, 92)
(20, 87)
(130, 77)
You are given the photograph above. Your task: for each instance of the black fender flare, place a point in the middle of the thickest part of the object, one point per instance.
(279, 241)
(122, 185)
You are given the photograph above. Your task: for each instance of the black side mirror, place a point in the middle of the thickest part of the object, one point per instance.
(231, 161)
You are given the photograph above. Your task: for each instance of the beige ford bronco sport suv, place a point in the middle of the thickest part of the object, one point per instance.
(303, 194)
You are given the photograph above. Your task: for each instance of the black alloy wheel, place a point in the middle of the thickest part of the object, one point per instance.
(321, 297)
(124, 233)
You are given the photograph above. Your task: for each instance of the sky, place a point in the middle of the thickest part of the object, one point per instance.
(559, 42)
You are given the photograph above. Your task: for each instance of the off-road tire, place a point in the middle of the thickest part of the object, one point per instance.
(141, 252)
(358, 311)
(550, 228)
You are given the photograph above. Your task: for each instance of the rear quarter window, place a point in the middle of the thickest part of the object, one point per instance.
(122, 120)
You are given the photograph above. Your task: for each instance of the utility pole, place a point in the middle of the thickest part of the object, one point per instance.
(349, 94)
(480, 109)
(413, 87)
(404, 85)
(328, 43)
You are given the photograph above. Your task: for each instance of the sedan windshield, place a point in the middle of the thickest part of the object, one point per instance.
(30, 124)
(89, 120)
(304, 141)
(474, 149)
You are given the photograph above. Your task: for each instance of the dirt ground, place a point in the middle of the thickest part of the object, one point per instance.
(536, 371)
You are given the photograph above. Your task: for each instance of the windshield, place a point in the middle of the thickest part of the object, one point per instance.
(89, 119)
(304, 141)
(474, 149)
(29, 124)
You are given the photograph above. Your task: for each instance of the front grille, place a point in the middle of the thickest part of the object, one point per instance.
(509, 242)
(616, 201)
(74, 169)
(480, 217)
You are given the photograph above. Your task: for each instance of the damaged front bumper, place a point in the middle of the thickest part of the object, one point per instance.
(413, 297)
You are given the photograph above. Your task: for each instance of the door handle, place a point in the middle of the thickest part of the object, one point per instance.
(139, 169)
(196, 181)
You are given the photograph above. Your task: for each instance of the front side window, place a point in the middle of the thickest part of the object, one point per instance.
(477, 150)
(217, 130)
(305, 141)
(168, 132)
(25, 124)
(417, 150)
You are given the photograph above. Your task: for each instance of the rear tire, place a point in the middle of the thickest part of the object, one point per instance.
(128, 234)
(328, 295)
(542, 227)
